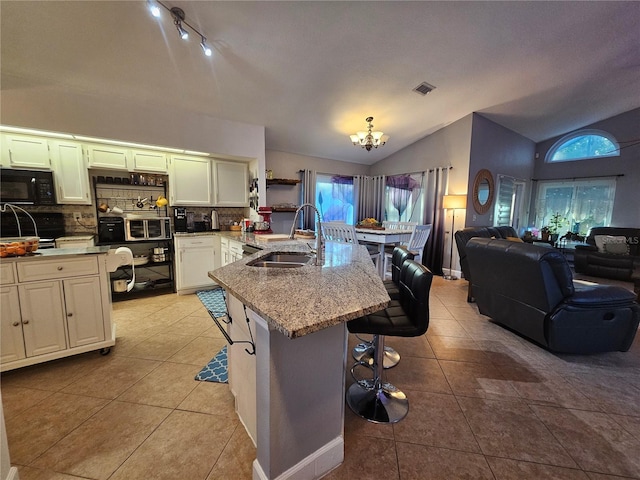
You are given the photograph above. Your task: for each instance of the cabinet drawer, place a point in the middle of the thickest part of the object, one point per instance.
(7, 275)
(194, 242)
(60, 268)
(235, 247)
(369, 237)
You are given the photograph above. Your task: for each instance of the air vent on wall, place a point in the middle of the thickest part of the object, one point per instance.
(423, 88)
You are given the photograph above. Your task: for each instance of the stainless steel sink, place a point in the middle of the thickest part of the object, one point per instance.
(281, 260)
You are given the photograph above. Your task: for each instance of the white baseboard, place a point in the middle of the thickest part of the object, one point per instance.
(312, 467)
(13, 474)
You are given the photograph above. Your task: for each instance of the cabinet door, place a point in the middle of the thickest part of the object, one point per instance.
(84, 311)
(24, 151)
(148, 161)
(193, 265)
(11, 339)
(106, 156)
(42, 317)
(190, 181)
(70, 171)
(231, 184)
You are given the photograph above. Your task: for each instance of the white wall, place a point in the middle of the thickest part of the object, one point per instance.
(287, 165)
(58, 110)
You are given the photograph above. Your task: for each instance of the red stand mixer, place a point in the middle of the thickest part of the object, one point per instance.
(265, 225)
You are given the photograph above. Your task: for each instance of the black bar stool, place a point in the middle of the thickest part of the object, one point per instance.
(363, 352)
(376, 400)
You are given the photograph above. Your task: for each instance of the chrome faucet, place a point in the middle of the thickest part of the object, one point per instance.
(320, 243)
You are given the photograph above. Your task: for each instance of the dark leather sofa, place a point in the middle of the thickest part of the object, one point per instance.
(530, 290)
(591, 261)
(463, 236)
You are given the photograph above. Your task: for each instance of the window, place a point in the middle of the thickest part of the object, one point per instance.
(582, 145)
(403, 198)
(334, 198)
(579, 204)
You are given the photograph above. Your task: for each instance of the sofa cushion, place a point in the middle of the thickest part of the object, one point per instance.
(615, 245)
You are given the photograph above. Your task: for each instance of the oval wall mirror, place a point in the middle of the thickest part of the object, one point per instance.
(483, 191)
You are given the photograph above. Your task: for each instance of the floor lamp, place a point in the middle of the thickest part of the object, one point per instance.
(453, 202)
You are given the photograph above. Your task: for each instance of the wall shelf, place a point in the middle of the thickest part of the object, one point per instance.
(283, 209)
(282, 181)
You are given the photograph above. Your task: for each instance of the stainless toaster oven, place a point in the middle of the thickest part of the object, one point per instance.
(152, 228)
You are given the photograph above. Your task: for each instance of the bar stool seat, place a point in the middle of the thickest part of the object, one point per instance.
(376, 400)
(363, 352)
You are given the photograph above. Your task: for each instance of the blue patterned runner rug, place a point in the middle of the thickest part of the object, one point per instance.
(216, 369)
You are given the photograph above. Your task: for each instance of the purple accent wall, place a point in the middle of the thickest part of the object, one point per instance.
(502, 152)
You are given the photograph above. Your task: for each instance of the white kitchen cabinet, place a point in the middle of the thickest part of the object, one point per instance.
(190, 181)
(53, 307)
(148, 161)
(107, 156)
(11, 338)
(84, 310)
(25, 151)
(70, 172)
(43, 325)
(230, 184)
(231, 250)
(195, 257)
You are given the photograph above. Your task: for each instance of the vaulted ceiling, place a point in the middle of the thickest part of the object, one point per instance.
(311, 72)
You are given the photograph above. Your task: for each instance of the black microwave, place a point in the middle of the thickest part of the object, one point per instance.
(26, 187)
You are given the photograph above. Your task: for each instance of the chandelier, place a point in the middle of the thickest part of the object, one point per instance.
(369, 139)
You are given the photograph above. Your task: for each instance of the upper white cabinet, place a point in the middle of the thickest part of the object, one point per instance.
(70, 172)
(148, 161)
(107, 156)
(25, 151)
(190, 181)
(231, 184)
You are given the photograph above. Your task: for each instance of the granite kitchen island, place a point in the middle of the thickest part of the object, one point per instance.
(290, 394)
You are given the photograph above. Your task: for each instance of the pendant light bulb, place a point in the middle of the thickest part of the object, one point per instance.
(154, 9)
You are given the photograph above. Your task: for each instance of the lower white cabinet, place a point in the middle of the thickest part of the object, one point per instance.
(195, 257)
(53, 308)
(231, 250)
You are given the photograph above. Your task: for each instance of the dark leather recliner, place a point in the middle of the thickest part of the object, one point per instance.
(463, 236)
(530, 289)
(588, 260)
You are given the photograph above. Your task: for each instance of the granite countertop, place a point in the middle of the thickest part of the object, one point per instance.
(61, 252)
(299, 301)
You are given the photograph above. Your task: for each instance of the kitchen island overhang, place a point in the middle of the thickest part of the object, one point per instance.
(290, 394)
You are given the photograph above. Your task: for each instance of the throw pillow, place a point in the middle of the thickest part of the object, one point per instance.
(514, 239)
(599, 239)
(616, 245)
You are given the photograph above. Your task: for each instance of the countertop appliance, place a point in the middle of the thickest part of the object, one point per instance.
(111, 229)
(215, 221)
(264, 225)
(180, 219)
(152, 228)
(50, 226)
(26, 187)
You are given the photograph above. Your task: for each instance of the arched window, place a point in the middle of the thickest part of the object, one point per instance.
(583, 144)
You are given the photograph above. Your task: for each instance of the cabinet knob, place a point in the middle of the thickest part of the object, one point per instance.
(59, 268)
(69, 314)
(25, 322)
(15, 324)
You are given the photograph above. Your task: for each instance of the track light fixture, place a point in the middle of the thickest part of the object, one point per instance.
(179, 21)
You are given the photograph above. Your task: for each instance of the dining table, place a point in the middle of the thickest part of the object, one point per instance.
(382, 237)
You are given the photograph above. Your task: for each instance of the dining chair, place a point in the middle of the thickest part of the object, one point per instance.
(343, 232)
(415, 244)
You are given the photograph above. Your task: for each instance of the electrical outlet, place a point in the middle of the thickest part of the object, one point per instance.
(77, 216)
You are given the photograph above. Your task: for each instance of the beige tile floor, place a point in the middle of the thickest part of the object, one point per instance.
(484, 404)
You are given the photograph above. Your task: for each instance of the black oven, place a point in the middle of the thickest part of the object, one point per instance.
(26, 187)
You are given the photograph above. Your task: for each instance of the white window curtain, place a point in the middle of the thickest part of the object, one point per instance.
(575, 205)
